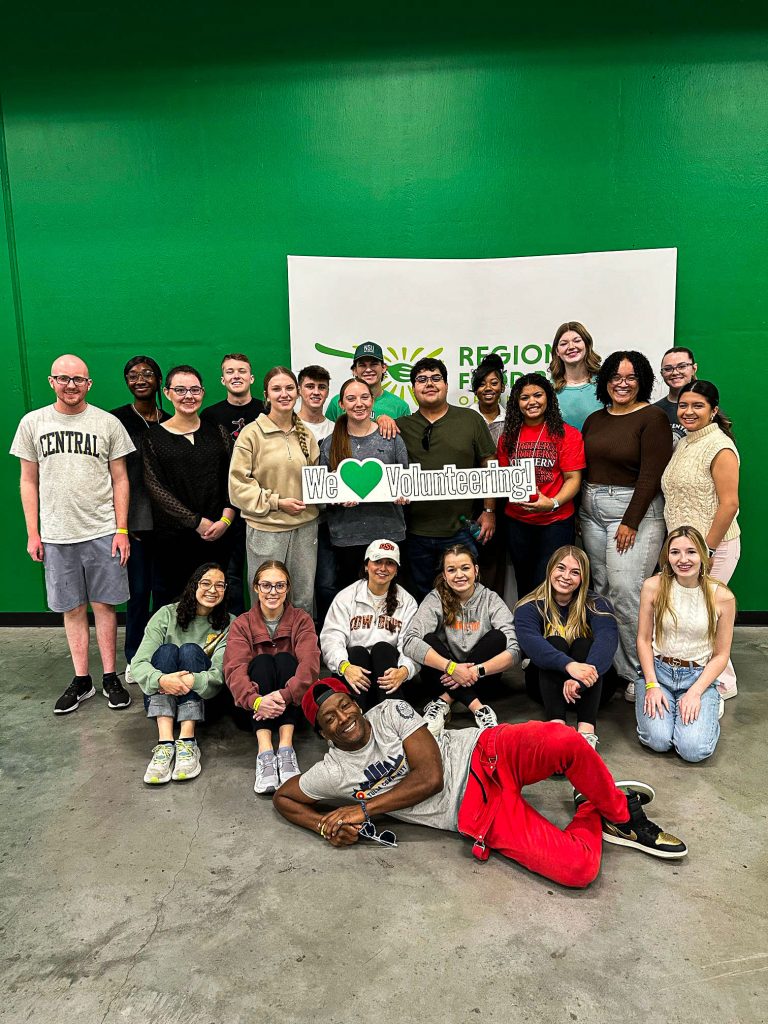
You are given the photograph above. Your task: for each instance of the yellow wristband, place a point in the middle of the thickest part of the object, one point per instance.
(256, 704)
(653, 685)
(343, 667)
(225, 520)
(450, 668)
(124, 532)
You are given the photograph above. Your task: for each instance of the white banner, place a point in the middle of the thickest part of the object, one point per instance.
(459, 310)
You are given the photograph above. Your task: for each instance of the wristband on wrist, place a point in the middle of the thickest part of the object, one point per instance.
(343, 667)
(490, 511)
(653, 685)
(122, 531)
(256, 704)
(450, 668)
(224, 519)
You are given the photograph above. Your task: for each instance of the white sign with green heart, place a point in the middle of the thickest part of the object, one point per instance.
(372, 480)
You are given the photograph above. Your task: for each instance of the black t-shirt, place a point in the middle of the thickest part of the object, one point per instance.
(233, 417)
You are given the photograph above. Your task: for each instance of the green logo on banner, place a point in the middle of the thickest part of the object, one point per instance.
(361, 477)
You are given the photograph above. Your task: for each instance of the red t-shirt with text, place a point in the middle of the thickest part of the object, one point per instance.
(553, 457)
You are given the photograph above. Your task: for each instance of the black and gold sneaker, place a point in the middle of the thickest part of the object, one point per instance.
(643, 834)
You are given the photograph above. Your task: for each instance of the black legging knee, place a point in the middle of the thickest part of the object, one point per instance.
(271, 672)
(377, 660)
(547, 689)
(494, 642)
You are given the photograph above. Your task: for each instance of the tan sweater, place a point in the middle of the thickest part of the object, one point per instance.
(266, 466)
(689, 490)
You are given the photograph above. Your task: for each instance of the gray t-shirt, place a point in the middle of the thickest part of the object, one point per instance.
(670, 410)
(382, 764)
(73, 455)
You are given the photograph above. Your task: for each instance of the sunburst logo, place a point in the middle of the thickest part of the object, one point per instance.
(399, 366)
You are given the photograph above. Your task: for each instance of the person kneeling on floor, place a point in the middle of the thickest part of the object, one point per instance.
(179, 665)
(468, 781)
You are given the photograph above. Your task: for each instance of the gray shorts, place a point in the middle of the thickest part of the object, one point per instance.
(189, 708)
(78, 573)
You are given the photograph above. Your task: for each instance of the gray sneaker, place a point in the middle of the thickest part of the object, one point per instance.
(159, 768)
(267, 779)
(187, 761)
(591, 739)
(287, 764)
(485, 717)
(436, 714)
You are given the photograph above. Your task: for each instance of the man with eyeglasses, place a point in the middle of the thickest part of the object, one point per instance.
(74, 478)
(468, 781)
(678, 368)
(438, 435)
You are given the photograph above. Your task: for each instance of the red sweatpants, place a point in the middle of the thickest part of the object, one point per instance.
(526, 754)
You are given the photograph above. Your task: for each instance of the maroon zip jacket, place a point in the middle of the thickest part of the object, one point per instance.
(249, 636)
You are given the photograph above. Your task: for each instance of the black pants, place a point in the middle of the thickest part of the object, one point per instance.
(545, 685)
(349, 564)
(180, 552)
(494, 642)
(380, 657)
(271, 672)
(532, 545)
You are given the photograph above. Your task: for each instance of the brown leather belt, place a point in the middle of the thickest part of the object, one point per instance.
(679, 662)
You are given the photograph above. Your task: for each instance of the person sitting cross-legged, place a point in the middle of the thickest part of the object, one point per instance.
(468, 781)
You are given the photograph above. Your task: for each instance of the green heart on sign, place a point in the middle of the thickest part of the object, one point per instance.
(361, 477)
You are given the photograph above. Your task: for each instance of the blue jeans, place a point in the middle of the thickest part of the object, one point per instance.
(424, 557)
(620, 577)
(189, 706)
(693, 742)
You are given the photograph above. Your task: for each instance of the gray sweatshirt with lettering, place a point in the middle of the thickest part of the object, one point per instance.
(484, 611)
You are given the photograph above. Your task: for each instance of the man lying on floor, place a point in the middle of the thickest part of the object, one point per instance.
(468, 780)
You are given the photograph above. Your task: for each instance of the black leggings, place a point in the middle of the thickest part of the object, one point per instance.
(380, 657)
(494, 642)
(271, 672)
(545, 685)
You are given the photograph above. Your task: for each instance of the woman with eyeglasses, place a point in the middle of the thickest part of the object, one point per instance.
(265, 483)
(628, 444)
(534, 429)
(684, 639)
(701, 487)
(186, 472)
(179, 666)
(272, 658)
(144, 379)
(573, 369)
(354, 525)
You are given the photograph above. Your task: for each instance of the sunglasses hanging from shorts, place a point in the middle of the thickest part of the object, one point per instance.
(368, 830)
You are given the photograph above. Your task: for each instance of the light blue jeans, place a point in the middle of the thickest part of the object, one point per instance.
(620, 577)
(693, 742)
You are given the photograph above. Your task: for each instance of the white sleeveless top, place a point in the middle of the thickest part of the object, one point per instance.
(687, 639)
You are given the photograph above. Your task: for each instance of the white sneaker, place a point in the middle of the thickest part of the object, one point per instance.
(129, 675)
(436, 714)
(267, 779)
(187, 761)
(591, 739)
(485, 717)
(721, 709)
(287, 764)
(727, 692)
(159, 768)
(629, 693)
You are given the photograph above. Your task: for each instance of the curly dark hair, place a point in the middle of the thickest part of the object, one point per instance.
(641, 367)
(513, 421)
(428, 363)
(186, 612)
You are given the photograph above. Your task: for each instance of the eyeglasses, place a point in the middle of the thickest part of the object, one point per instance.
(267, 588)
(181, 392)
(667, 371)
(423, 378)
(631, 378)
(426, 437)
(136, 375)
(368, 830)
(62, 379)
(209, 585)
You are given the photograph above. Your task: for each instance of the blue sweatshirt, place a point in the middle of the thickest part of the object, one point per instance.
(529, 626)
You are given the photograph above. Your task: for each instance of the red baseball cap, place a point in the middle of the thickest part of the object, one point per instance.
(318, 693)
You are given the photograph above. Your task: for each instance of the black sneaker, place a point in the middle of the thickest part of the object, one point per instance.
(115, 692)
(643, 834)
(78, 690)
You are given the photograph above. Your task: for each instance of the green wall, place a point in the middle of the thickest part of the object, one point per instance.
(160, 166)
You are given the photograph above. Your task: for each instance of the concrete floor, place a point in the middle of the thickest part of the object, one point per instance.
(194, 903)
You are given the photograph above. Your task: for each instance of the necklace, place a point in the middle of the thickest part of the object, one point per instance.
(146, 420)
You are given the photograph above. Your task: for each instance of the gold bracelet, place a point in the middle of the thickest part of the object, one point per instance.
(121, 530)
